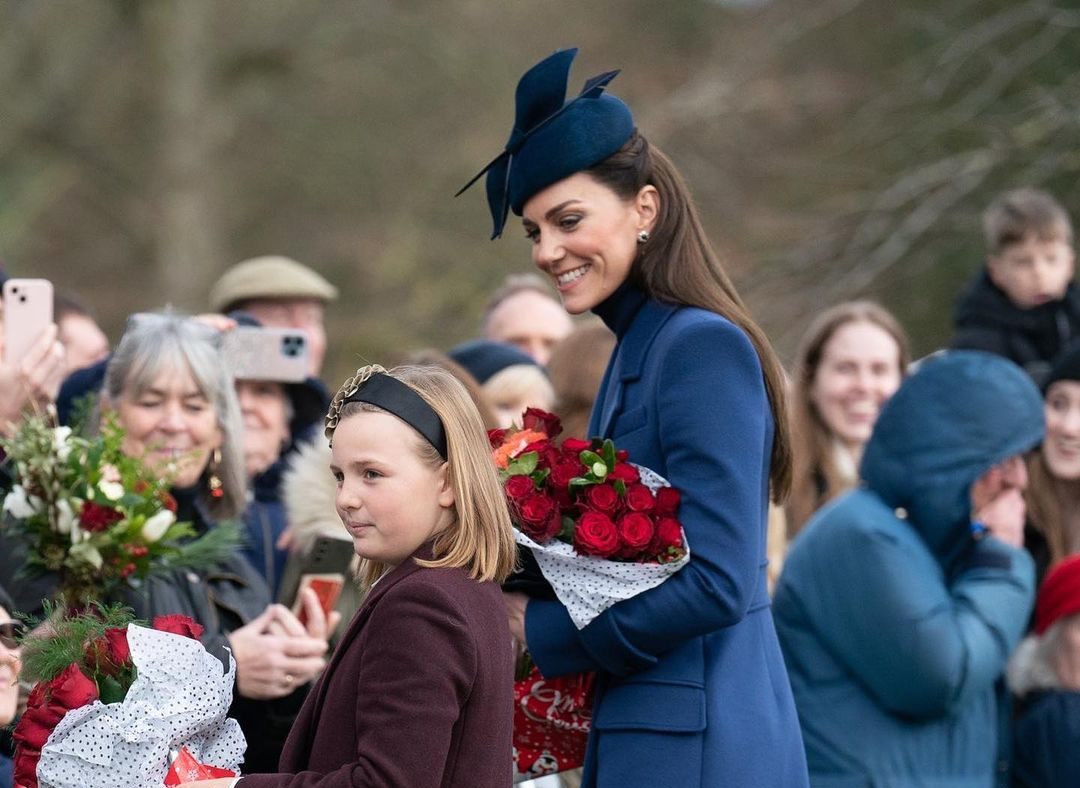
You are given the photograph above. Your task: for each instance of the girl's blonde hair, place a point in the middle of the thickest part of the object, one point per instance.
(816, 479)
(520, 382)
(481, 538)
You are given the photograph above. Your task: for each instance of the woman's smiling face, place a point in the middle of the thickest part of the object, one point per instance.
(585, 237)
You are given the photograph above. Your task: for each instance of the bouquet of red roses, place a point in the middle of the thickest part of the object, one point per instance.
(601, 530)
(112, 700)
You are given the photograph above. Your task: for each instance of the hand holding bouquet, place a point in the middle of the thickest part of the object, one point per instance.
(601, 530)
(113, 699)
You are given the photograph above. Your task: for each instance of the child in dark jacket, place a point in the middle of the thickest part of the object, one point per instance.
(1023, 304)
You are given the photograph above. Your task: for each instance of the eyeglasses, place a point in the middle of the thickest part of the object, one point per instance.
(11, 632)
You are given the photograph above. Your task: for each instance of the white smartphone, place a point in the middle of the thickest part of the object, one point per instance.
(265, 353)
(28, 311)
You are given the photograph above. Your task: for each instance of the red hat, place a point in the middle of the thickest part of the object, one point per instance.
(1059, 595)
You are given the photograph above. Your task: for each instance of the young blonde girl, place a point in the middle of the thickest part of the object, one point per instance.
(419, 690)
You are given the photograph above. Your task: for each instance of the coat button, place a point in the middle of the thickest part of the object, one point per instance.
(900, 512)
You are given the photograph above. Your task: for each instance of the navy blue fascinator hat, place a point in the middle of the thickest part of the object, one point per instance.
(553, 137)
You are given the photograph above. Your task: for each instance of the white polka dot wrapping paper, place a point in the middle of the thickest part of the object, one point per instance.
(587, 585)
(180, 698)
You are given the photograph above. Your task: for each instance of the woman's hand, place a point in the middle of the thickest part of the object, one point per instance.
(515, 609)
(317, 625)
(36, 378)
(270, 664)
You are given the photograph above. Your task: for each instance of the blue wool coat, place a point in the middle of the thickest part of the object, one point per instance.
(692, 688)
(894, 621)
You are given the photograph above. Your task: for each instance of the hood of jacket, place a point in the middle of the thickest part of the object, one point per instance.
(960, 414)
(984, 303)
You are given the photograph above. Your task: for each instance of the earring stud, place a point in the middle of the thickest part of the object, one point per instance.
(643, 236)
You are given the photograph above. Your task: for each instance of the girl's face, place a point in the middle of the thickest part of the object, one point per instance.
(1061, 446)
(264, 405)
(390, 500)
(9, 672)
(858, 371)
(585, 237)
(172, 426)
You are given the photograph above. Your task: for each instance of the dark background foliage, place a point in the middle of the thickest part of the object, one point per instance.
(837, 148)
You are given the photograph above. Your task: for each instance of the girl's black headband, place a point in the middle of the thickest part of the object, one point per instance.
(397, 398)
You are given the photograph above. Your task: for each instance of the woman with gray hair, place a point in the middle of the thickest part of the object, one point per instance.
(173, 395)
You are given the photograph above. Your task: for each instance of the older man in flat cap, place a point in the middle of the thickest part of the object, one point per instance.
(281, 293)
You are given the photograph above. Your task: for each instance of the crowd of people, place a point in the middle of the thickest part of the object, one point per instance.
(884, 586)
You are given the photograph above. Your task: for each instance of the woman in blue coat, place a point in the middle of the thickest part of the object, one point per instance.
(692, 688)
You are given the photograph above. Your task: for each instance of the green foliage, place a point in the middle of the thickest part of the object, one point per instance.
(66, 637)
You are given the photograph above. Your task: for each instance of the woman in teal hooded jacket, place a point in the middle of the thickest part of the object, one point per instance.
(896, 613)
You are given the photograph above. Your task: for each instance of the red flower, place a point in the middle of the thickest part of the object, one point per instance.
(110, 654)
(639, 498)
(71, 689)
(636, 532)
(536, 509)
(541, 421)
(595, 535)
(622, 455)
(496, 438)
(179, 625)
(48, 703)
(519, 487)
(625, 472)
(667, 502)
(167, 500)
(602, 498)
(563, 471)
(668, 534)
(575, 446)
(94, 517)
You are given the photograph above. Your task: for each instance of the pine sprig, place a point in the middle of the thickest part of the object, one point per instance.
(66, 636)
(213, 547)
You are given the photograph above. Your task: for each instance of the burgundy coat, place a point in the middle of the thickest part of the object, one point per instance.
(418, 693)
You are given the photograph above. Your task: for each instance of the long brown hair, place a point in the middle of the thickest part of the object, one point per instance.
(678, 265)
(1044, 506)
(817, 479)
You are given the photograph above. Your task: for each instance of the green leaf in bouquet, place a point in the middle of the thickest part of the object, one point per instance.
(579, 482)
(63, 639)
(540, 477)
(111, 690)
(524, 465)
(212, 547)
(608, 451)
(566, 533)
(620, 488)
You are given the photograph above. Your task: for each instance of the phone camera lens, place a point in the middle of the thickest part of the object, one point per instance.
(22, 299)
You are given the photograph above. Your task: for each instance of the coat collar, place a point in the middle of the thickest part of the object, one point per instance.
(636, 320)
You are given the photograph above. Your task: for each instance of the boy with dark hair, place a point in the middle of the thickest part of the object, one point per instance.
(1023, 305)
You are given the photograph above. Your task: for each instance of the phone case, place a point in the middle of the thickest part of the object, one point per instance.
(264, 353)
(327, 588)
(28, 311)
(328, 556)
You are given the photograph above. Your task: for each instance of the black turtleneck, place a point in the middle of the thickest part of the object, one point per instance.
(620, 308)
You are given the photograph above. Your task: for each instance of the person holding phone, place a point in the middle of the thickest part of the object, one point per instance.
(691, 687)
(32, 358)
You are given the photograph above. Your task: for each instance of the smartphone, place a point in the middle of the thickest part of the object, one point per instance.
(28, 311)
(265, 353)
(327, 588)
(330, 556)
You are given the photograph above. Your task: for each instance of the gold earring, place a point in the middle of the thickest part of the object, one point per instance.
(216, 490)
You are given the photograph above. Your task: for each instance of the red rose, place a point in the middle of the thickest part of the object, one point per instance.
(622, 455)
(536, 509)
(541, 421)
(668, 534)
(563, 471)
(26, 761)
(519, 487)
(639, 498)
(71, 689)
(496, 438)
(602, 498)
(625, 472)
(636, 532)
(94, 517)
(667, 502)
(575, 446)
(179, 625)
(110, 653)
(595, 534)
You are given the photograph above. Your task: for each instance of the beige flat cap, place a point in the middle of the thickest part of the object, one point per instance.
(272, 276)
